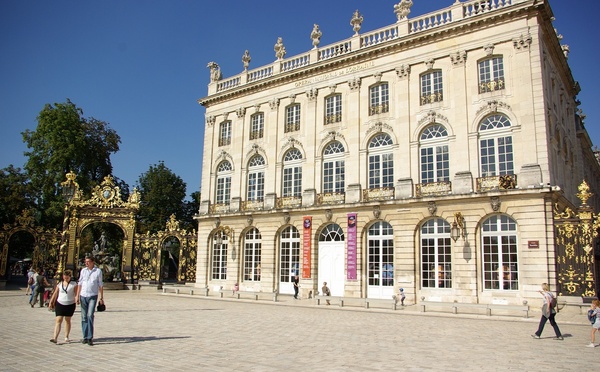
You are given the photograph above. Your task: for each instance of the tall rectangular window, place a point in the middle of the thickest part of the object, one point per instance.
(219, 260)
(491, 75)
(435, 164)
(257, 124)
(292, 181)
(256, 186)
(431, 87)
(379, 99)
(292, 118)
(333, 109)
(225, 133)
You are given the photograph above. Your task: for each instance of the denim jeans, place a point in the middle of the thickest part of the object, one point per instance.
(88, 307)
(32, 295)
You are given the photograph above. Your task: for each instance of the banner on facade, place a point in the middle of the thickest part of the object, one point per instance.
(306, 239)
(351, 254)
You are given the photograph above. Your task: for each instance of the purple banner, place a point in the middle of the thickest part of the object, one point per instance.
(351, 254)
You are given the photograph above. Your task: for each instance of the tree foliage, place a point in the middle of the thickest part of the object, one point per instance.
(16, 194)
(190, 209)
(162, 193)
(66, 141)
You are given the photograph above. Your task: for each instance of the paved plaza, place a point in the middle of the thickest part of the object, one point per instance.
(149, 331)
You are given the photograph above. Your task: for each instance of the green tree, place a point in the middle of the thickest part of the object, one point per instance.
(162, 193)
(66, 141)
(16, 194)
(190, 209)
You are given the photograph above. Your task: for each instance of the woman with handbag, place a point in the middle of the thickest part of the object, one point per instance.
(63, 303)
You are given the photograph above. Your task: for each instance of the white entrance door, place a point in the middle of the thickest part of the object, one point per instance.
(380, 261)
(331, 267)
(289, 259)
(331, 259)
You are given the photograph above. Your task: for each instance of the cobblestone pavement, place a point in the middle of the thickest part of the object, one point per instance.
(147, 331)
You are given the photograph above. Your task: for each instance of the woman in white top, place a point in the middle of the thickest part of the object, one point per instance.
(63, 303)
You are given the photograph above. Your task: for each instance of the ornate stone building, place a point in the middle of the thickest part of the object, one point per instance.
(441, 154)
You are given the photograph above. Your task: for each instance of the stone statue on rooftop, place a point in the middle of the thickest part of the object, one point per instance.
(279, 48)
(246, 59)
(402, 9)
(315, 35)
(215, 71)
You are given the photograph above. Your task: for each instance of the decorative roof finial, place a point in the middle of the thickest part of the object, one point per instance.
(356, 21)
(246, 59)
(402, 9)
(315, 35)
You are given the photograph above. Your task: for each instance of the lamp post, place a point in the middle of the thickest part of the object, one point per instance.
(458, 227)
(69, 189)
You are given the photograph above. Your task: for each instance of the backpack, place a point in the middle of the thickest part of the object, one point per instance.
(592, 316)
(554, 303)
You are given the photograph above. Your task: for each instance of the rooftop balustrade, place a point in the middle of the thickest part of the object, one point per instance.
(402, 28)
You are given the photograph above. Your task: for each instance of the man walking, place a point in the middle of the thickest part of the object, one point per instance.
(88, 289)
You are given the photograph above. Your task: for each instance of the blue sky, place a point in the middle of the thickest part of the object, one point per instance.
(141, 65)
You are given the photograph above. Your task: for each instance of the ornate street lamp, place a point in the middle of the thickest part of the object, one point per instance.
(458, 227)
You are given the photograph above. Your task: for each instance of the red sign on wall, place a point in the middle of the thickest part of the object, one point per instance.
(306, 239)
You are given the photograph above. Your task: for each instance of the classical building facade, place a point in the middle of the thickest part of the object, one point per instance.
(436, 154)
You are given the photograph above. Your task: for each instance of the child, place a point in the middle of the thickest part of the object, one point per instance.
(594, 312)
(326, 292)
(236, 288)
(402, 296)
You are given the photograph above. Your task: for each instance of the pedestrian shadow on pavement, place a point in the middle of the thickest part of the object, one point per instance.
(126, 340)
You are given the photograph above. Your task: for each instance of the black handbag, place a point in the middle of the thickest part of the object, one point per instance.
(101, 307)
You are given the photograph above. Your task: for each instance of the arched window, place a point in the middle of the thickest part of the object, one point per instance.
(332, 233)
(380, 255)
(289, 261)
(224, 171)
(220, 244)
(334, 170)
(256, 179)
(495, 146)
(435, 161)
(499, 252)
(436, 254)
(252, 255)
(381, 162)
(292, 173)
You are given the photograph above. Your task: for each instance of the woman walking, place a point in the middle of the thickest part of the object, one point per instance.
(548, 313)
(63, 301)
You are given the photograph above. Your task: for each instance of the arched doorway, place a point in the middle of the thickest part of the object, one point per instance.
(331, 259)
(169, 263)
(24, 245)
(104, 241)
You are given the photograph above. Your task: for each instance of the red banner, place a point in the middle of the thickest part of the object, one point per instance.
(306, 239)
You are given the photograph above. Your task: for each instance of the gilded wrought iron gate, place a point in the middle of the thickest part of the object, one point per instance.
(148, 250)
(575, 233)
